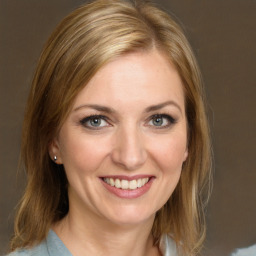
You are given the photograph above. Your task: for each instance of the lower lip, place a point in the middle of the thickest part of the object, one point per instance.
(129, 193)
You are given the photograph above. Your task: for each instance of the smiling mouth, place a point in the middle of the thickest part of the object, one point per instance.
(126, 184)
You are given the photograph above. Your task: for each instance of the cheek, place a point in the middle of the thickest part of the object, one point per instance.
(170, 153)
(82, 154)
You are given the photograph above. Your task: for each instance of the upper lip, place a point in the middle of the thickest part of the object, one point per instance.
(125, 177)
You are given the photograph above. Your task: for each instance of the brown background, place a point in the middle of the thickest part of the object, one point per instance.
(223, 36)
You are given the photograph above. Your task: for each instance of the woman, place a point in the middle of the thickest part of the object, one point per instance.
(115, 138)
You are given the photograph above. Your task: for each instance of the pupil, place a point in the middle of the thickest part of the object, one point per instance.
(95, 122)
(158, 121)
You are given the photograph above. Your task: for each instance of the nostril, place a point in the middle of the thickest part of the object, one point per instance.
(129, 159)
(129, 151)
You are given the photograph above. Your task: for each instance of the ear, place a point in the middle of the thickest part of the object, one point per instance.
(54, 151)
(185, 155)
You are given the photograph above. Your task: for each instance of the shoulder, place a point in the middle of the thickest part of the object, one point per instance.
(51, 246)
(38, 250)
(249, 251)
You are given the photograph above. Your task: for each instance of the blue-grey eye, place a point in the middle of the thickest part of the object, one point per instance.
(161, 120)
(158, 121)
(95, 121)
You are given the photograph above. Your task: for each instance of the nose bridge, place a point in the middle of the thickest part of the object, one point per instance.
(129, 149)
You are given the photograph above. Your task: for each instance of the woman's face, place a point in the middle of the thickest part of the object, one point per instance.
(125, 140)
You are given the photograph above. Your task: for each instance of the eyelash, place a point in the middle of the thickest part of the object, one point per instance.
(170, 120)
(90, 118)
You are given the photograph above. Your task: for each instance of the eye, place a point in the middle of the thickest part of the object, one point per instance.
(161, 121)
(94, 122)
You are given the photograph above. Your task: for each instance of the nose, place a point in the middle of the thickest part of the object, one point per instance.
(129, 150)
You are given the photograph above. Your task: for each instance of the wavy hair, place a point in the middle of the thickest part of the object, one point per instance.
(86, 40)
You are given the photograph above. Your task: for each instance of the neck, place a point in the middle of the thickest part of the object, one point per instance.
(95, 236)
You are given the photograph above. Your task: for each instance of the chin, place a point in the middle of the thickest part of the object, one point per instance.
(131, 216)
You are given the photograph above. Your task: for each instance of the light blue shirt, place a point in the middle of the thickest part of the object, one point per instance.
(249, 251)
(53, 246)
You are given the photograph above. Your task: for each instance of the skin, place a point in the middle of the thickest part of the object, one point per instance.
(128, 141)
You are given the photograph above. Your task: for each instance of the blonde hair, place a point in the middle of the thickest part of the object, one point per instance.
(85, 41)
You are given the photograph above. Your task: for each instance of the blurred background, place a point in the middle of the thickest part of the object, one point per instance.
(223, 36)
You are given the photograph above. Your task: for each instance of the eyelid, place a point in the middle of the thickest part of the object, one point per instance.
(170, 118)
(86, 119)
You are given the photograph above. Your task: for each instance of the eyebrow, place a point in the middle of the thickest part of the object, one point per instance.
(97, 107)
(162, 105)
(111, 110)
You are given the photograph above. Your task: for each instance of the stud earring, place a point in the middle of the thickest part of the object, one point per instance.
(55, 158)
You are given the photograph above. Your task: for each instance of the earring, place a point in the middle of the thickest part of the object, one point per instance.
(55, 158)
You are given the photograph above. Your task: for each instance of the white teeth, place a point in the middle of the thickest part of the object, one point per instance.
(112, 182)
(118, 183)
(139, 183)
(144, 181)
(133, 184)
(126, 184)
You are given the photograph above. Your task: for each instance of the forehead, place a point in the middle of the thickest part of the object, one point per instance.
(140, 77)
